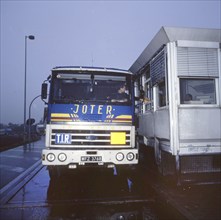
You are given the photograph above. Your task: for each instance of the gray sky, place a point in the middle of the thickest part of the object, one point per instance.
(78, 33)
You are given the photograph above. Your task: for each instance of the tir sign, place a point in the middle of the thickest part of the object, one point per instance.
(62, 138)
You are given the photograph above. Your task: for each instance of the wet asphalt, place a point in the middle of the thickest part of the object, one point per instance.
(97, 193)
(15, 161)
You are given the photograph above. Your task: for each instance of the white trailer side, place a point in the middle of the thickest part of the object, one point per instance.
(180, 72)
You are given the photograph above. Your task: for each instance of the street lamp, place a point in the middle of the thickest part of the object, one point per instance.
(30, 37)
(29, 118)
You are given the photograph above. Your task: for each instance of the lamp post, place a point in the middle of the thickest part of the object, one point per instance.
(30, 37)
(29, 118)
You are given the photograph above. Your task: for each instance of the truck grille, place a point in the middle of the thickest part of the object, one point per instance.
(96, 137)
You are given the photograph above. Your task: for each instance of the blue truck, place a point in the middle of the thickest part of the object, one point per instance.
(88, 122)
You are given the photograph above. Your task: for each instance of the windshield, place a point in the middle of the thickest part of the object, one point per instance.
(90, 87)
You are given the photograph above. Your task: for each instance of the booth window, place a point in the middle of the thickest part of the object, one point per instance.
(148, 94)
(162, 94)
(197, 91)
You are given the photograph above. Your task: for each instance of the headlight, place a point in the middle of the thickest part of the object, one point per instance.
(120, 217)
(119, 156)
(130, 156)
(62, 157)
(50, 157)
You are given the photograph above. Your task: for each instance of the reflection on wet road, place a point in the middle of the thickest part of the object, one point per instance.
(17, 160)
(83, 194)
(92, 184)
(97, 193)
(101, 194)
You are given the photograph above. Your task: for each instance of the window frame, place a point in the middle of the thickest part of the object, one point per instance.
(56, 80)
(216, 89)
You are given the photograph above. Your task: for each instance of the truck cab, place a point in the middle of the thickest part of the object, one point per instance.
(89, 122)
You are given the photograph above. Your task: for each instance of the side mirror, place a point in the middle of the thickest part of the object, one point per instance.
(30, 121)
(44, 91)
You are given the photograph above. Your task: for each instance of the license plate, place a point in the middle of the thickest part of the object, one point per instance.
(63, 138)
(91, 158)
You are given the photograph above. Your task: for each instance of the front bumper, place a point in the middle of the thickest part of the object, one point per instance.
(86, 157)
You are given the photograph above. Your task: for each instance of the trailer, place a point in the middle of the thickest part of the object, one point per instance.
(180, 74)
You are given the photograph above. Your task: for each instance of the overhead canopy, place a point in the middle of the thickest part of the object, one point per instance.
(171, 34)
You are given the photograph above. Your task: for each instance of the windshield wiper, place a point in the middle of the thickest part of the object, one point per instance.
(72, 100)
(64, 100)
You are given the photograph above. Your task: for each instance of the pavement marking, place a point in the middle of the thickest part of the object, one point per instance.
(22, 149)
(36, 158)
(13, 156)
(5, 166)
(12, 168)
(18, 169)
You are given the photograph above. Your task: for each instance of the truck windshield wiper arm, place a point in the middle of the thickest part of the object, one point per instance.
(73, 100)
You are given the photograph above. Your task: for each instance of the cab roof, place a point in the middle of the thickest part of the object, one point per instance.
(90, 69)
